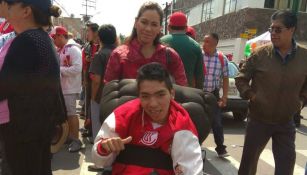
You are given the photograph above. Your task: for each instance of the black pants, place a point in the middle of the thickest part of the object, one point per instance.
(3, 162)
(217, 126)
(283, 146)
(31, 158)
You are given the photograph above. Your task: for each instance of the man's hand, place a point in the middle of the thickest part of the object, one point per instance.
(253, 98)
(115, 144)
(222, 102)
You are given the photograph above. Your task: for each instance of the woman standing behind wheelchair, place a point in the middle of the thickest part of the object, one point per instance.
(152, 134)
(30, 81)
(144, 47)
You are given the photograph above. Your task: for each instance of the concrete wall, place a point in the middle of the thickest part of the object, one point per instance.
(255, 3)
(233, 24)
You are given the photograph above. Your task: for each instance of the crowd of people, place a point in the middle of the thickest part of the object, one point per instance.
(44, 72)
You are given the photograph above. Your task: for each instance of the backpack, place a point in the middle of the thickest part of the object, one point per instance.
(221, 58)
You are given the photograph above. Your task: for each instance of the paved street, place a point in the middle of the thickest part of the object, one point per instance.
(234, 139)
(65, 163)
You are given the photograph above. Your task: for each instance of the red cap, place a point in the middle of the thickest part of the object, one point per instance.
(178, 19)
(191, 32)
(58, 30)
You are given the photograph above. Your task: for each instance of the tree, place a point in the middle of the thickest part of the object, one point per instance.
(122, 38)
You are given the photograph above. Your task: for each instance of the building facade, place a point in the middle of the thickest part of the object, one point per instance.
(236, 21)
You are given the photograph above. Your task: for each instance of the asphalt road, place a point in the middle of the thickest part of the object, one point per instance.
(234, 139)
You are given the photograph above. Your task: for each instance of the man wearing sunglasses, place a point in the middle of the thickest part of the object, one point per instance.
(278, 75)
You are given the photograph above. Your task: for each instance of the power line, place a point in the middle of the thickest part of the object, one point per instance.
(88, 4)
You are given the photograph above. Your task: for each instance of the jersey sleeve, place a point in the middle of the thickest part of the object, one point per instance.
(107, 130)
(186, 153)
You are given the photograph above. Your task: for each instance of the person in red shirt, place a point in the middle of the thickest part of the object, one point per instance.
(5, 27)
(152, 134)
(143, 46)
(88, 52)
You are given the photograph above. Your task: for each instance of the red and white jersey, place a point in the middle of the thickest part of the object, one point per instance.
(70, 67)
(178, 138)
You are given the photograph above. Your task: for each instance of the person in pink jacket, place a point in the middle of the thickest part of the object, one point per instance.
(144, 47)
(150, 134)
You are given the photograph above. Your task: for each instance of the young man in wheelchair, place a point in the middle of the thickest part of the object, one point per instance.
(152, 134)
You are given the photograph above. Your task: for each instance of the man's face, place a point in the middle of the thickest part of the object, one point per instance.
(58, 40)
(210, 44)
(90, 35)
(155, 100)
(280, 34)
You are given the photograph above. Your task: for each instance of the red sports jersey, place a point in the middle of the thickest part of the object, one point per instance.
(178, 138)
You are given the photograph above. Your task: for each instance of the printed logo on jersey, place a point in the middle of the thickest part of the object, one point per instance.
(150, 138)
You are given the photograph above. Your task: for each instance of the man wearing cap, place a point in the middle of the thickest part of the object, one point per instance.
(188, 49)
(70, 67)
(191, 32)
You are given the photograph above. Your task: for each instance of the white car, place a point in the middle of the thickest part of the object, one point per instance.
(235, 103)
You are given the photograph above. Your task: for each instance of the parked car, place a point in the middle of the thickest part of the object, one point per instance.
(235, 103)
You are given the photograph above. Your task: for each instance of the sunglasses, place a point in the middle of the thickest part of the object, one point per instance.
(276, 29)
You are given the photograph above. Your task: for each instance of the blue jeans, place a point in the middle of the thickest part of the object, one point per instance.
(283, 146)
(95, 117)
(216, 125)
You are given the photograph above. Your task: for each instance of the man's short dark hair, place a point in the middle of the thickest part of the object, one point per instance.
(154, 71)
(107, 34)
(287, 17)
(215, 36)
(178, 27)
(93, 26)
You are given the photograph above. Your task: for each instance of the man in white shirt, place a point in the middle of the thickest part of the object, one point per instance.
(71, 67)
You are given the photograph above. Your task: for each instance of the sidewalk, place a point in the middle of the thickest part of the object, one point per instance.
(66, 163)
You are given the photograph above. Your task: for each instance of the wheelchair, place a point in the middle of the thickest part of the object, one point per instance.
(199, 104)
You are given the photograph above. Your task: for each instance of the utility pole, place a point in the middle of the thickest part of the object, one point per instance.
(88, 4)
(86, 17)
(295, 6)
(165, 20)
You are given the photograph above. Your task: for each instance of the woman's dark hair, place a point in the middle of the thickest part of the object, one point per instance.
(42, 18)
(107, 34)
(154, 71)
(147, 6)
(287, 17)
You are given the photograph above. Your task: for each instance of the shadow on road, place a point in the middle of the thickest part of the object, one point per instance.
(64, 160)
(302, 129)
(232, 126)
